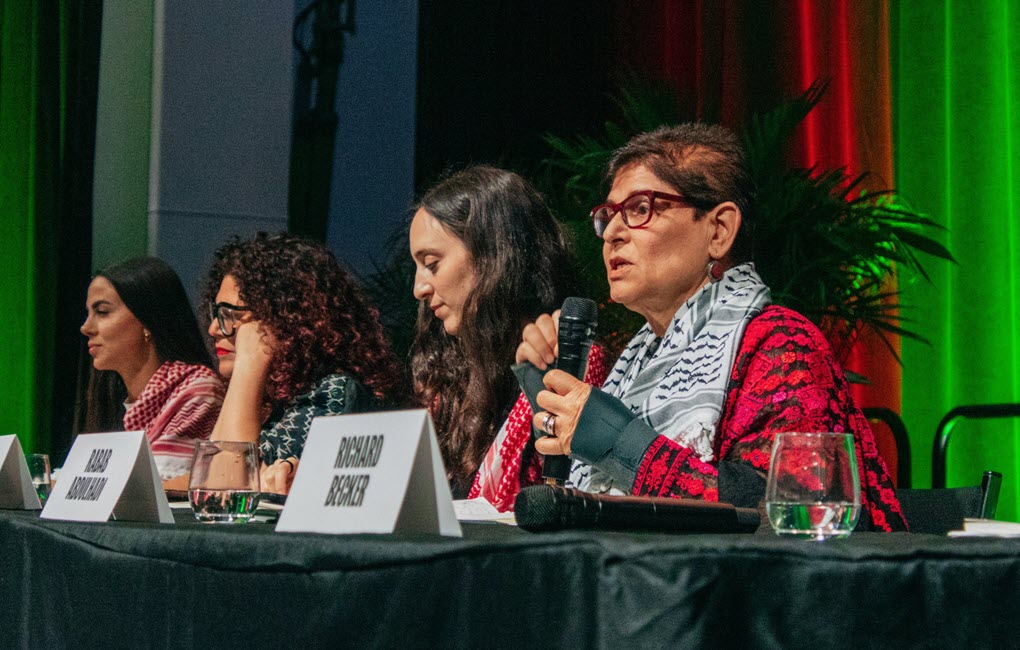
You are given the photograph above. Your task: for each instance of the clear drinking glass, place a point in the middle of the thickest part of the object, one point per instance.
(39, 468)
(224, 485)
(813, 487)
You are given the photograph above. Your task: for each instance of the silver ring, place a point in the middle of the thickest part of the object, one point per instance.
(549, 424)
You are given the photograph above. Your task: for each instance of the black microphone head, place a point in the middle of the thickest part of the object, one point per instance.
(536, 508)
(578, 320)
(580, 309)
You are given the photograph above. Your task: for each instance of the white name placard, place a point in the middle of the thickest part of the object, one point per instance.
(16, 489)
(109, 474)
(371, 473)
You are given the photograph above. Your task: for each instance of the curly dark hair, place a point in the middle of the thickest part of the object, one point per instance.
(705, 163)
(321, 320)
(523, 268)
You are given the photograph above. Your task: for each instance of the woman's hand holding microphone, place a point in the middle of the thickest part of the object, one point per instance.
(565, 395)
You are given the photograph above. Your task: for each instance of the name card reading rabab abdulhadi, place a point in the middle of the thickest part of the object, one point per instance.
(109, 474)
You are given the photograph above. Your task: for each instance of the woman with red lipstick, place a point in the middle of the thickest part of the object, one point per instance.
(296, 338)
(489, 258)
(148, 357)
(693, 405)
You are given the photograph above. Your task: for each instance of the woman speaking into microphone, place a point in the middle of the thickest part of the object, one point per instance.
(489, 259)
(693, 404)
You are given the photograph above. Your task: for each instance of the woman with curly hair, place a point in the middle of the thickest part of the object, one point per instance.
(296, 338)
(489, 258)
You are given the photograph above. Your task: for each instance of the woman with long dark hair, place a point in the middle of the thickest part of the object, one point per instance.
(296, 338)
(150, 366)
(490, 258)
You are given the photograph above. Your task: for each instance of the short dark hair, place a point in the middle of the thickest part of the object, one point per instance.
(523, 268)
(153, 293)
(705, 163)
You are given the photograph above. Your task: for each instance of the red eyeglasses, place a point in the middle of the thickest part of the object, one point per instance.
(636, 210)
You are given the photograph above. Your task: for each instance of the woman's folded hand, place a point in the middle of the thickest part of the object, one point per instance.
(279, 476)
(539, 341)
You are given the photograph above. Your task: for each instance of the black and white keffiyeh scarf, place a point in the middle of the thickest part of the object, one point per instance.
(677, 384)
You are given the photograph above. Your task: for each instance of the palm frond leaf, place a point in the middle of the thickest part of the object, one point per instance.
(825, 245)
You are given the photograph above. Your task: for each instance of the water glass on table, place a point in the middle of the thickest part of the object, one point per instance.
(39, 469)
(224, 484)
(813, 488)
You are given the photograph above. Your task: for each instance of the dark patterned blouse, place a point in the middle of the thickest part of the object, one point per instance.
(283, 435)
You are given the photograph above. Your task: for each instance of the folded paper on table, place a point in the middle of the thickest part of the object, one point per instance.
(986, 528)
(481, 510)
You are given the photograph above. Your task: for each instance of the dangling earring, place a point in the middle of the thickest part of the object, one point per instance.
(147, 336)
(714, 271)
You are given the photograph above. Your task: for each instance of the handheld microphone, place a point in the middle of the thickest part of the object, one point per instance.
(578, 319)
(541, 508)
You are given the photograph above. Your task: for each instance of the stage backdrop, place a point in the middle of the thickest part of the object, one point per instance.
(957, 136)
(49, 53)
(930, 91)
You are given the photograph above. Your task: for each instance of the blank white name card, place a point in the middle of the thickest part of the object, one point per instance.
(16, 489)
(109, 473)
(371, 473)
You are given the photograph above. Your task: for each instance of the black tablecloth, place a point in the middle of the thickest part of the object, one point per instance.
(134, 585)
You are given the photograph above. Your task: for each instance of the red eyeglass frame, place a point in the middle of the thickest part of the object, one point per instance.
(617, 208)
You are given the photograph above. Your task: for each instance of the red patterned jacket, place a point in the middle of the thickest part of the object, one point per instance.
(785, 378)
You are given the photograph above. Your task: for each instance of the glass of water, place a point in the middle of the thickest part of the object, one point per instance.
(224, 484)
(813, 488)
(39, 468)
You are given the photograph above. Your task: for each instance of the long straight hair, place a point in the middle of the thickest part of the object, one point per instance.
(153, 293)
(522, 268)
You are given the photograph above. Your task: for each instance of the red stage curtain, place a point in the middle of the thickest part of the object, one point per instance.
(730, 59)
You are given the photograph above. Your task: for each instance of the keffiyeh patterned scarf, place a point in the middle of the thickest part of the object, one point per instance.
(677, 384)
(500, 475)
(177, 407)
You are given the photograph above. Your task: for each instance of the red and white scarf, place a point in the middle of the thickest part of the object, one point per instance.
(500, 478)
(178, 406)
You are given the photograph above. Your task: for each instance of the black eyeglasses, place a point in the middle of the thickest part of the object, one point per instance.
(224, 313)
(636, 210)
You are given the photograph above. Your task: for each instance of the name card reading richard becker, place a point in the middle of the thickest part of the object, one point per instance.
(356, 452)
(109, 474)
(371, 473)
